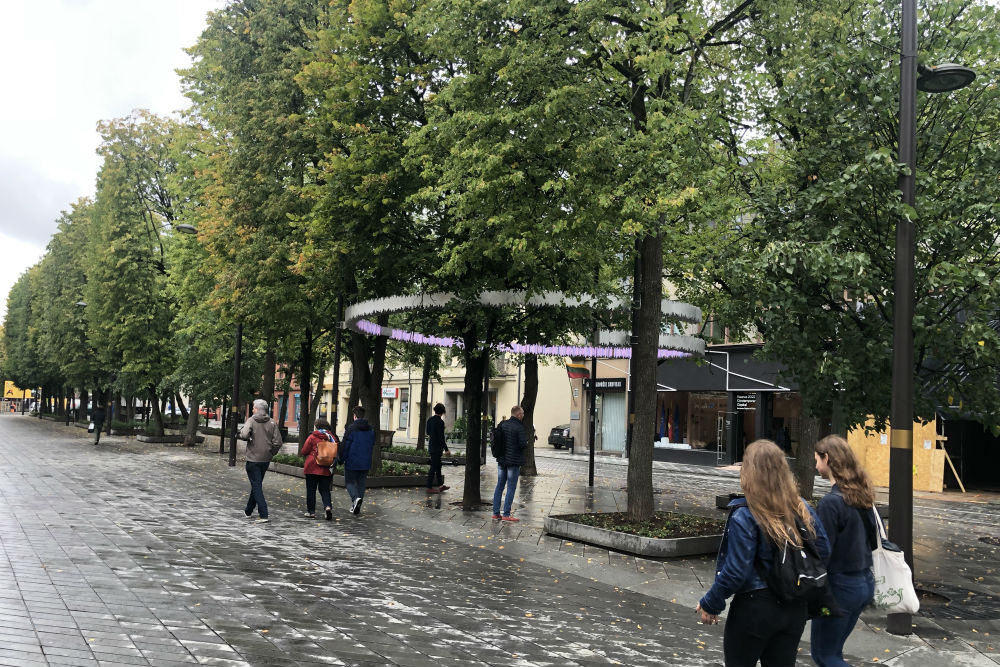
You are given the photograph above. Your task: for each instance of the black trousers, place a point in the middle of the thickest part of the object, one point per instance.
(434, 476)
(321, 482)
(760, 628)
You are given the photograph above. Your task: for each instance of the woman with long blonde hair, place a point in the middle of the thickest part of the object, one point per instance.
(759, 626)
(847, 516)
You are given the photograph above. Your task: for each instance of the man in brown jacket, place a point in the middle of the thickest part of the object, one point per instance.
(263, 442)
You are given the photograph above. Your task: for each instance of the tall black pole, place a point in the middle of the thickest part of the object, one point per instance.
(592, 440)
(901, 442)
(336, 363)
(222, 426)
(235, 407)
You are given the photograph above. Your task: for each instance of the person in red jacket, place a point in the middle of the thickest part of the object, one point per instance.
(317, 476)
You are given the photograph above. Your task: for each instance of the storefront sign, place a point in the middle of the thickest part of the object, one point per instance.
(604, 384)
(746, 401)
(390, 392)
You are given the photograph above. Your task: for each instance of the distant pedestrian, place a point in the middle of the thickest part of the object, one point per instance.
(846, 515)
(436, 446)
(511, 432)
(356, 451)
(759, 626)
(97, 416)
(263, 442)
(317, 476)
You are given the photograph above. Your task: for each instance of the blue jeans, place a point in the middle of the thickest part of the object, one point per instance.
(255, 473)
(354, 482)
(853, 591)
(506, 476)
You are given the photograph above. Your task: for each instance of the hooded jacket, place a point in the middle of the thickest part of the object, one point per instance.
(358, 445)
(266, 438)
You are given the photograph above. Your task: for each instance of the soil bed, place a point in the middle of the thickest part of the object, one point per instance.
(661, 525)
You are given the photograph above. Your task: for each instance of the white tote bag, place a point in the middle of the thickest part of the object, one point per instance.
(894, 592)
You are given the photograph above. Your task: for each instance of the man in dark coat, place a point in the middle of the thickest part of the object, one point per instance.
(97, 416)
(509, 464)
(356, 451)
(436, 446)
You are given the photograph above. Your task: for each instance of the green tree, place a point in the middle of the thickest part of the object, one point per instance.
(811, 265)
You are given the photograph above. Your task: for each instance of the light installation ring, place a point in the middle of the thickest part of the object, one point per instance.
(613, 344)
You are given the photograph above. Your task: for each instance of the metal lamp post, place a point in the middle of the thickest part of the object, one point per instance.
(933, 80)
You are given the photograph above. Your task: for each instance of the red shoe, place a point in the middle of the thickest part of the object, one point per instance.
(509, 518)
(443, 487)
(432, 489)
(496, 517)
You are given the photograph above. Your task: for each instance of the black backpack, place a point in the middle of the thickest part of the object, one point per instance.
(796, 573)
(496, 441)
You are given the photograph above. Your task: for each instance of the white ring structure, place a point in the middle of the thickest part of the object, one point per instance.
(612, 344)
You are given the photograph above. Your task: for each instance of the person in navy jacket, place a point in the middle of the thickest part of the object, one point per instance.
(846, 514)
(355, 452)
(759, 627)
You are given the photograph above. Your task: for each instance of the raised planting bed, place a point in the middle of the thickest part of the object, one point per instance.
(392, 474)
(666, 535)
(423, 460)
(166, 438)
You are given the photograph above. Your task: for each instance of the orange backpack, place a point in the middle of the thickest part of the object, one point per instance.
(326, 451)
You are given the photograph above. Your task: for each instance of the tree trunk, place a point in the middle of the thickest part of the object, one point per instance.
(130, 409)
(805, 463)
(425, 380)
(157, 415)
(317, 395)
(643, 381)
(81, 411)
(475, 368)
(367, 381)
(191, 433)
(282, 410)
(529, 469)
(182, 407)
(270, 368)
(305, 386)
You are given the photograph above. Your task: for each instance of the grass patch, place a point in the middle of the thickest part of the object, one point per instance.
(290, 460)
(660, 525)
(412, 451)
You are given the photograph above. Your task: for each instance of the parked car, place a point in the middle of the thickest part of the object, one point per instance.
(207, 413)
(559, 437)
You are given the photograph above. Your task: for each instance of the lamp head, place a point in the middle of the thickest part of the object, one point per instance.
(186, 229)
(943, 78)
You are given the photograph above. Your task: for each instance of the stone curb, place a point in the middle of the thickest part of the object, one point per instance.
(638, 545)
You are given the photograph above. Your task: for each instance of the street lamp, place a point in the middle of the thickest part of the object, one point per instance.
(943, 78)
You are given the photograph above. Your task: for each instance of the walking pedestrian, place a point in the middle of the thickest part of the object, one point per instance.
(436, 446)
(263, 442)
(97, 416)
(511, 432)
(317, 476)
(845, 513)
(759, 626)
(356, 451)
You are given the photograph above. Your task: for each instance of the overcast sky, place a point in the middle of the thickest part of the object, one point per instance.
(68, 64)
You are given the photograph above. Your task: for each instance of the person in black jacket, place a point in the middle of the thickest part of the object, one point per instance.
(436, 446)
(509, 465)
(843, 515)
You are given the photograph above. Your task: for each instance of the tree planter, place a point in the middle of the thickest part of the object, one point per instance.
(128, 431)
(166, 438)
(633, 544)
(425, 460)
(285, 469)
(386, 482)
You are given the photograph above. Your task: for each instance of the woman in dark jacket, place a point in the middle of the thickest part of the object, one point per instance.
(759, 627)
(317, 476)
(849, 572)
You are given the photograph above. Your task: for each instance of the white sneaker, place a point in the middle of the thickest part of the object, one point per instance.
(262, 520)
(356, 507)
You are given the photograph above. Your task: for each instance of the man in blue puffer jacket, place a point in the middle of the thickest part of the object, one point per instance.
(355, 452)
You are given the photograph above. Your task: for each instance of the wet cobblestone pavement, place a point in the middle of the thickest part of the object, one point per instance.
(132, 554)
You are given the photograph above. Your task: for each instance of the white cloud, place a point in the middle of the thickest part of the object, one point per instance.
(67, 65)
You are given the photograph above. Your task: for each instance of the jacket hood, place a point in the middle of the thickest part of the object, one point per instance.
(261, 418)
(362, 424)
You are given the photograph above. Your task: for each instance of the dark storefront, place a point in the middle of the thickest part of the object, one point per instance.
(710, 409)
